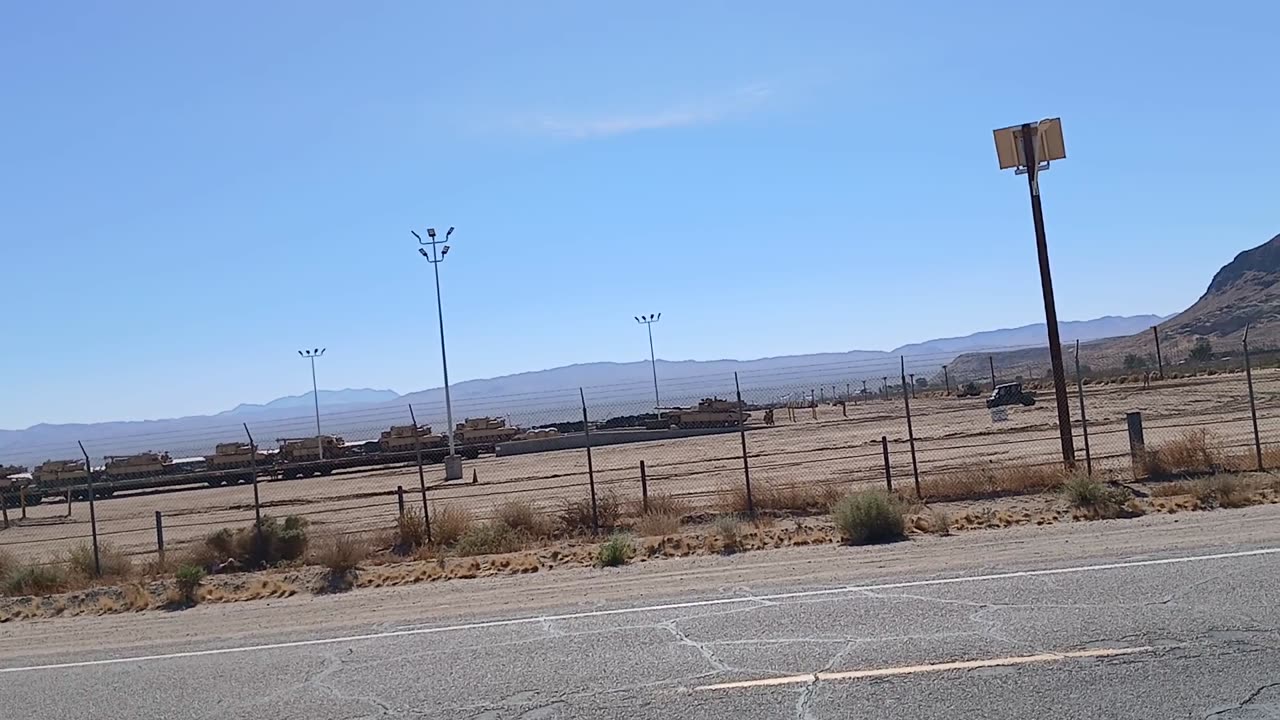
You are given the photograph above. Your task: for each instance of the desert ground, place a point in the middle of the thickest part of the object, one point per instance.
(953, 437)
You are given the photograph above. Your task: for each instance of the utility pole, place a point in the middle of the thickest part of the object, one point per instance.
(453, 463)
(315, 394)
(653, 360)
(1049, 135)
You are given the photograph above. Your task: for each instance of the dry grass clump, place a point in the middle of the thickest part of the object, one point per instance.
(1193, 452)
(410, 532)
(656, 524)
(35, 579)
(869, 517)
(1227, 491)
(803, 499)
(662, 504)
(728, 528)
(449, 523)
(994, 482)
(341, 553)
(523, 517)
(489, 538)
(575, 515)
(936, 521)
(1096, 500)
(116, 565)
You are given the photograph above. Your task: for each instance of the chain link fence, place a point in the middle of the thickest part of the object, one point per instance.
(785, 439)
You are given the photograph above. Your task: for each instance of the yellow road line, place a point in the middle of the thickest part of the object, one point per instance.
(935, 667)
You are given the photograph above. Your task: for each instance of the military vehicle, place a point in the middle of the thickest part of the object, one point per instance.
(55, 477)
(235, 456)
(708, 413)
(407, 438)
(968, 390)
(1010, 394)
(483, 431)
(139, 465)
(17, 487)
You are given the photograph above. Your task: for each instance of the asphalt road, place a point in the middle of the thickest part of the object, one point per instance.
(1155, 618)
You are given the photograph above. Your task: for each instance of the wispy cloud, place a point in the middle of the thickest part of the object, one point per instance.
(706, 111)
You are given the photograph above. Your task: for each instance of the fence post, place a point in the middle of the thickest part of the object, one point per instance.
(160, 536)
(888, 474)
(253, 472)
(1159, 357)
(1253, 408)
(422, 478)
(400, 499)
(844, 407)
(22, 500)
(742, 433)
(992, 362)
(591, 471)
(1137, 443)
(946, 379)
(1084, 421)
(93, 516)
(4, 507)
(644, 490)
(911, 434)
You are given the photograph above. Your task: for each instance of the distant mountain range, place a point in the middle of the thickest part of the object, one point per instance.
(1244, 292)
(537, 397)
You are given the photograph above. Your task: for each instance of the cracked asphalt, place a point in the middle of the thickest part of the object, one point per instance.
(1204, 635)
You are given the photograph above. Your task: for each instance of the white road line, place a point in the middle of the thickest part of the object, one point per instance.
(934, 667)
(743, 599)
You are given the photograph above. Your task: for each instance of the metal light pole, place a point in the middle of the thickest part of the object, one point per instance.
(648, 322)
(453, 463)
(315, 393)
(1025, 147)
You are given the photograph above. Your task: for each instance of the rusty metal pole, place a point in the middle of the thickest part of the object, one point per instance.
(93, 516)
(992, 362)
(888, 472)
(422, 478)
(911, 435)
(742, 433)
(1050, 310)
(253, 472)
(946, 379)
(644, 490)
(160, 536)
(400, 499)
(1084, 420)
(1253, 408)
(591, 471)
(1159, 357)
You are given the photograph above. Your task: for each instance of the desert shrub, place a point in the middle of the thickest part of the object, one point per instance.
(993, 482)
(615, 551)
(116, 565)
(1194, 451)
(7, 562)
(187, 583)
(662, 504)
(1097, 500)
(449, 523)
(727, 527)
(937, 521)
(1227, 491)
(410, 532)
(654, 524)
(869, 517)
(575, 515)
(341, 553)
(488, 538)
(523, 517)
(1173, 489)
(33, 579)
(274, 543)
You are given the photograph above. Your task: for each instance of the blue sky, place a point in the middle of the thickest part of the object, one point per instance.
(193, 192)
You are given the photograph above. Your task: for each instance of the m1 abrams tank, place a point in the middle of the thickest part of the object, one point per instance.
(484, 431)
(234, 456)
(405, 438)
(140, 465)
(55, 476)
(299, 457)
(708, 413)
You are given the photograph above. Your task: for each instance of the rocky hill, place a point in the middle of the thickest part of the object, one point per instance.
(1245, 292)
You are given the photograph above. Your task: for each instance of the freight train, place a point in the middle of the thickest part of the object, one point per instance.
(237, 462)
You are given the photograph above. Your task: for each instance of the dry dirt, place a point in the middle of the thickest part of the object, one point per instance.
(697, 539)
(952, 435)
